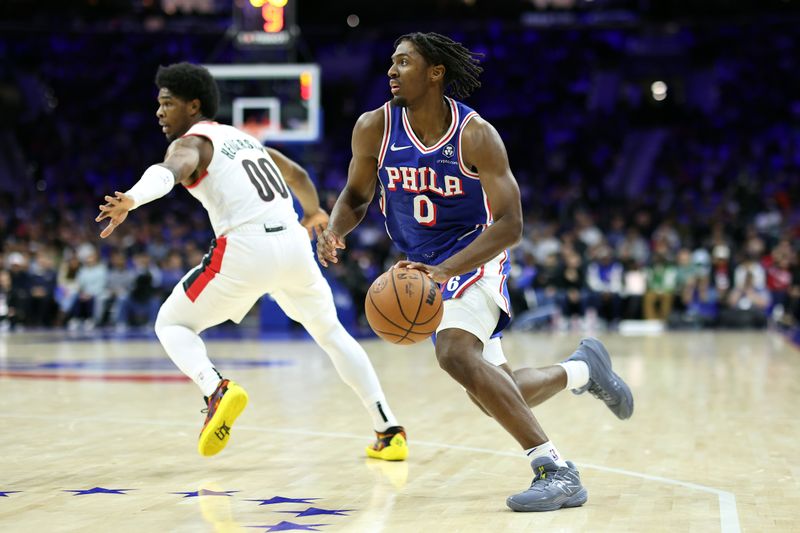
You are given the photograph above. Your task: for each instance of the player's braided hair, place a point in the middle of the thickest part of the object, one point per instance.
(462, 67)
(188, 81)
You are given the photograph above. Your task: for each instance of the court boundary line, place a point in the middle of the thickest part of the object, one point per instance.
(728, 512)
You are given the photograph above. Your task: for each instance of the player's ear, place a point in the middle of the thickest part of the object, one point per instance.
(194, 106)
(437, 72)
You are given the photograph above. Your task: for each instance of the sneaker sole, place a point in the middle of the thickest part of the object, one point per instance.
(230, 407)
(605, 360)
(576, 500)
(390, 453)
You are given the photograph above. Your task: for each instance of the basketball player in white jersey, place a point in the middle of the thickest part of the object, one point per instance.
(260, 248)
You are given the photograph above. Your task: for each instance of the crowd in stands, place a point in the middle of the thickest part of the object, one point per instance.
(706, 233)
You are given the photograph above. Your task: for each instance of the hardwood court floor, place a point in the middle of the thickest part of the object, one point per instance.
(712, 445)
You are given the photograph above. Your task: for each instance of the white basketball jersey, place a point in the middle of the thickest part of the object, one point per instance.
(242, 184)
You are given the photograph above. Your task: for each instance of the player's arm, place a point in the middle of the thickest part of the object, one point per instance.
(352, 204)
(314, 217)
(483, 148)
(179, 166)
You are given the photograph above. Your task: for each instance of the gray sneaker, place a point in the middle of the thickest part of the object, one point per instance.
(603, 383)
(553, 487)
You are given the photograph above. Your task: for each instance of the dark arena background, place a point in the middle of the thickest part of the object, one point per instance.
(656, 145)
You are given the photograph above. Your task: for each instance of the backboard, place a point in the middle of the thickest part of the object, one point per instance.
(271, 102)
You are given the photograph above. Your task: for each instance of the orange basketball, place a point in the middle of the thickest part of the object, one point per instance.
(404, 306)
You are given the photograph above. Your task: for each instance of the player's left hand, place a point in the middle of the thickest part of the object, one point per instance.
(315, 222)
(435, 272)
(116, 210)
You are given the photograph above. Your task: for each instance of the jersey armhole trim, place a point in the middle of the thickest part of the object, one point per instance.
(461, 165)
(196, 183)
(387, 130)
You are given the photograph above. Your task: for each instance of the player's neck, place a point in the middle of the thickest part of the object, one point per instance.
(430, 118)
(192, 122)
(198, 120)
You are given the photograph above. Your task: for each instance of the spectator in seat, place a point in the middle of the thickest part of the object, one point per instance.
(120, 283)
(172, 270)
(720, 270)
(700, 301)
(67, 286)
(546, 281)
(143, 301)
(792, 315)
(604, 278)
(42, 282)
(634, 286)
(778, 269)
(747, 304)
(661, 283)
(685, 271)
(92, 282)
(19, 291)
(573, 286)
(7, 312)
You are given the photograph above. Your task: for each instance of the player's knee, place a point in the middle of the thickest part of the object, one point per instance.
(511, 373)
(323, 327)
(160, 324)
(455, 362)
(163, 320)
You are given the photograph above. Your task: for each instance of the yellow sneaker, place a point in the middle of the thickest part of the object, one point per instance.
(390, 445)
(224, 406)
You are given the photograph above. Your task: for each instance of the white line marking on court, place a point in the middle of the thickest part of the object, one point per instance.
(728, 513)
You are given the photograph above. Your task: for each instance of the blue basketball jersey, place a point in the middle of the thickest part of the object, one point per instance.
(433, 203)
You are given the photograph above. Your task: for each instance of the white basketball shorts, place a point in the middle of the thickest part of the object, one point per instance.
(477, 309)
(244, 265)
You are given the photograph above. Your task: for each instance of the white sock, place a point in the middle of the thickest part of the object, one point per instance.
(546, 449)
(577, 373)
(208, 379)
(382, 416)
(355, 369)
(188, 352)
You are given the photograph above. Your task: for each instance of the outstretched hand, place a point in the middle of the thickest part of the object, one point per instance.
(315, 223)
(116, 210)
(435, 272)
(327, 244)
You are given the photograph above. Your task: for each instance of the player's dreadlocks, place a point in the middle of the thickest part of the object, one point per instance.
(462, 67)
(188, 81)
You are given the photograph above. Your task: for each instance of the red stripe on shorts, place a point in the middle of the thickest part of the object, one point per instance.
(208, 273)
(478, 275)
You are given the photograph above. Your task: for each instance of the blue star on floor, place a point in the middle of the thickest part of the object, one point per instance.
(206, 492)
(287, 526)
(312, 511)
(281, 499)
(5, 493)
(97, 490)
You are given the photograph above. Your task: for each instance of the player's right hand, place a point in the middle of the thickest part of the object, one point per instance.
(116, 210)
(435, 272)
(315, 222)
(327, 244)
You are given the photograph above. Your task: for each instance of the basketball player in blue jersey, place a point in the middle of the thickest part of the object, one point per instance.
(260, 248)
(452, 205)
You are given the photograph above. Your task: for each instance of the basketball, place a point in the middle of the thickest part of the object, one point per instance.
(404, 306)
